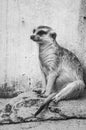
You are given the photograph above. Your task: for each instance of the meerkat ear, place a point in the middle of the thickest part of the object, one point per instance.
(53, 35)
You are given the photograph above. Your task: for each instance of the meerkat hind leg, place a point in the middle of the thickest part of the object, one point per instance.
(71, 91)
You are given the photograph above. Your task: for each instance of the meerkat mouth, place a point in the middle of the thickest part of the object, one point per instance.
(36, 39)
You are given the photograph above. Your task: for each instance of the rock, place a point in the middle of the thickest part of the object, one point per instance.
(23, 107)
(70, 109)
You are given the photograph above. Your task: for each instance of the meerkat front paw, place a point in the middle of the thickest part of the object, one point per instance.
(46, 94)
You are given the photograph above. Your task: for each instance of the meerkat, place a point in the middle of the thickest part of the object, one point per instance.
(61, 70)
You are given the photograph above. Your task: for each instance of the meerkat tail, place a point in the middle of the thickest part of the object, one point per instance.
(47, 101)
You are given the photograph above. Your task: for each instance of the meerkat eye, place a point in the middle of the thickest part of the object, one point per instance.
(34, 30)
(41, 33)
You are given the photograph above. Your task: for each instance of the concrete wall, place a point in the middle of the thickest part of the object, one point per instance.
(18, 54)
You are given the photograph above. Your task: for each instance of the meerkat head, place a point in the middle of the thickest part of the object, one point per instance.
(43, 35)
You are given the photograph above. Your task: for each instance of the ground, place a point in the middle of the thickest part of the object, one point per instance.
(72, 124)
(66, 124)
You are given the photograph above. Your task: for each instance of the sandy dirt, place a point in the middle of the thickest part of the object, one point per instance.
(48, 125)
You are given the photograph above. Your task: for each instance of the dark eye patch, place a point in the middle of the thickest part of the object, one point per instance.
(34, 30)
(41, 33)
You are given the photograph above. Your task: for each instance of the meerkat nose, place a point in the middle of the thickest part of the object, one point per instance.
(32, 37)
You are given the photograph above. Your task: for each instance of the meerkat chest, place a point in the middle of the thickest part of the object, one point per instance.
(48, 58)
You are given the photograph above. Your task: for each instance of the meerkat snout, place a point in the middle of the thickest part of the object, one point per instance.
(35, 38)
(32, 37)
